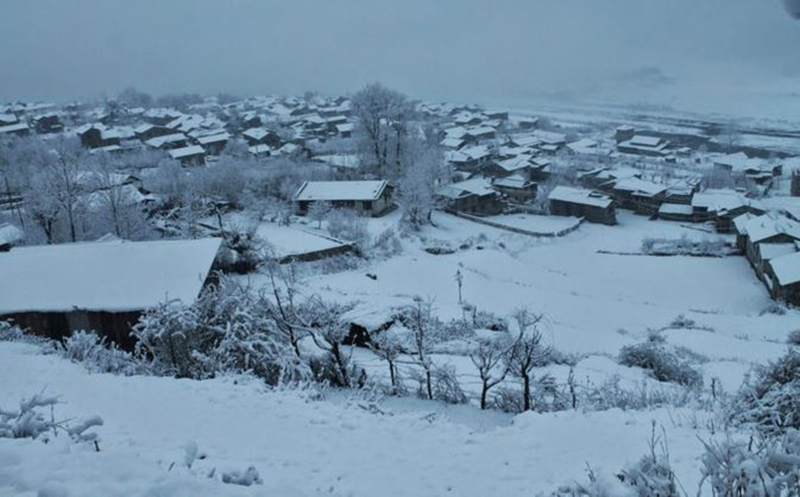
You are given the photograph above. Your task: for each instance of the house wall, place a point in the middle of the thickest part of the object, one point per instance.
(114, 326)
(591, 213)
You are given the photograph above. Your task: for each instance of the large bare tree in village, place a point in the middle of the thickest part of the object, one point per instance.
(384, 117)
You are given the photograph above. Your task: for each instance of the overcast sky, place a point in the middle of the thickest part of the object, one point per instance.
(457, 49)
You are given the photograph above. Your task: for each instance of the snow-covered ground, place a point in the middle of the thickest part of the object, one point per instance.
(596, 292)
(337, 446)
(595, 302)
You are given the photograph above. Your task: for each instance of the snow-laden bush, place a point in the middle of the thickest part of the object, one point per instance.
(651, 476)
(662, 363)
(30, 422)
(347, 225)
(386, 244)
(611, 395)
(770, 399)
(752, 469)
(242, 252)
(228, 329)
(446, 386)
(793, 338)
(774, 308)
(10, 332)
(101, 356)
(245, 478)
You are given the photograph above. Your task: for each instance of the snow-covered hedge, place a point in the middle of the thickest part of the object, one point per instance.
(752, 469)
(663, 363)
(770, 399)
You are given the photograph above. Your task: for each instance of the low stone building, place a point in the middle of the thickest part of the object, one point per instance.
(372, 198)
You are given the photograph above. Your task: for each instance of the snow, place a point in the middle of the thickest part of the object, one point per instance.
(302, 447)
(107, 276)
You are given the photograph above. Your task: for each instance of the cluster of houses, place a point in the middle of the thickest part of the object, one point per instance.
(268, 126)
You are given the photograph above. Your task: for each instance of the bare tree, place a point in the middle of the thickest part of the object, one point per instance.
(488, 357)
(383, 116)
(318, 211)
(387, 346)
(328, 330)
(526, 353)
(421, 322)
(418, 182)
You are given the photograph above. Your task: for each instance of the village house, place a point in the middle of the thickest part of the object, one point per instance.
(624, 133)
(147, 131)
(517, 187)
(214, 143)
(593, 206)
(372, 198)
(257, 136)
(649, 146)
(722, 207)
(101, 286)
(641, 196)
(48, 123)
(193, 155)
(764, 230)
(473, 196)
(168, 142)
(18, 129)
(783, 278)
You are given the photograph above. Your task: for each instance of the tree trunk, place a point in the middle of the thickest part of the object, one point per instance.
(392, 374)
(484, 394)
(429, 383)
(526, 392)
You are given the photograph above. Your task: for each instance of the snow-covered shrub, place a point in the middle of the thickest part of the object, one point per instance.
(10, 332)
(30, 422)
(682, 322)
(774, 308)
(685, 246)
(662, 363)
(793, 338)
(347, 225)
(752, 469)
(99, 355)
(168, 335)
(446, 386)
(770, 398)
(228, 329)
(242, 251)
(508, 400)
(387, 243)
(611, 395)
(247, 478)
(651, 476)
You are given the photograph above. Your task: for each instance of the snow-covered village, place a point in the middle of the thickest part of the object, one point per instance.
(291, 272)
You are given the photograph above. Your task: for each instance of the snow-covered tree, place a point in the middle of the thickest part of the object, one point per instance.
(526, 353)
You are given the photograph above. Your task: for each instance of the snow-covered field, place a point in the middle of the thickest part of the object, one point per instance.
(303, 447)
(596, 292)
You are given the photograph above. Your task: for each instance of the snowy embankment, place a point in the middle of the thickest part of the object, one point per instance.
(335, 446)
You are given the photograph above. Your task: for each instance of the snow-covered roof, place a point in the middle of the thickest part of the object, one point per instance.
(579, 196)
(330, 191)
(787, 268)
(646, 141)
(180, 153)
(220, 137)
(639, 186)
(763, 227)
(476, 186)
(11, 128)
(513, 181)
(769, 251)
(160, 141)
(108, 276)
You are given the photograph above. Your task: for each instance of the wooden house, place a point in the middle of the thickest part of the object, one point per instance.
(372, 198)
(593, 206)
(100, 286)
(473, 196)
